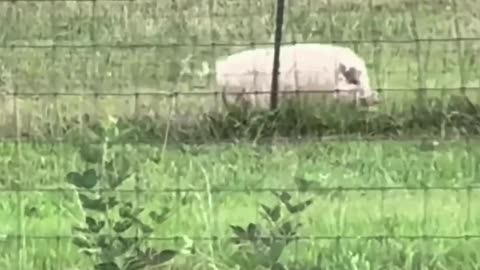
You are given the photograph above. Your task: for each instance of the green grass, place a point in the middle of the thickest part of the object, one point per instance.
(42, 217)
(241, 170)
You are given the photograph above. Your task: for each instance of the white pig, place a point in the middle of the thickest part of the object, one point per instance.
(304, 68)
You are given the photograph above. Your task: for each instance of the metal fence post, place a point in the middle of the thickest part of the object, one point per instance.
(276, 53)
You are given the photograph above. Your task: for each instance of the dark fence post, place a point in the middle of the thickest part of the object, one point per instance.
(276, 53)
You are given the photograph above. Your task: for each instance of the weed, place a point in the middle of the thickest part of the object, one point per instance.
(114, 233)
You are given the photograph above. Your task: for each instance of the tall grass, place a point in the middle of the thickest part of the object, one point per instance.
(55, 51)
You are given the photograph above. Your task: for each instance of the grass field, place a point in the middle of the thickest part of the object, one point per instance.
(165, 46)
(239, 172)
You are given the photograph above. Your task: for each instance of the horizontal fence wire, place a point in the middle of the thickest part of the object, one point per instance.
(255, 190)
(213, 93)
(363, 139)
(297, 238)
(119, 45)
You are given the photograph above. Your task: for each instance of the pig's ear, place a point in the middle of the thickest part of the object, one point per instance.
(342, 69)
(355, 72)
(352, 75)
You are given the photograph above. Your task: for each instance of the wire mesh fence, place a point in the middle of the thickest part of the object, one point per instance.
(95, 91)
(142, 58)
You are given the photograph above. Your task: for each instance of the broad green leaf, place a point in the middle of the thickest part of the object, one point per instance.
(97, 204)
(122, 165)
(159, 218)
(107, 266)
(91, 222)
(284, 196)
(104, 241)
(81, 242)
(93, 225)
(91, 153)
(303, 184)
(276, 250)
(80, 229)
(298, 207)
(145, 228)
(128, 242)
(135, 264)
(92, 204)
(122, 226)
(163, 257)
(125, 211)
(238, 231)
(272, 213)
(252, 231)
(137, 211)
(117, 171)
(86, 180)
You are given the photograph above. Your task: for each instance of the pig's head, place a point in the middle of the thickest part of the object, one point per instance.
(355, 80)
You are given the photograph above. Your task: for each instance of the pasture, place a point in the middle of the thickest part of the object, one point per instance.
(385, 204)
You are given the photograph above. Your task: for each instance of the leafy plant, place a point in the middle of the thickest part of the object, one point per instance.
(115, 230)
(262, 244)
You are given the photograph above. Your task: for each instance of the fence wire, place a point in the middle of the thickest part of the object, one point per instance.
(78, 193)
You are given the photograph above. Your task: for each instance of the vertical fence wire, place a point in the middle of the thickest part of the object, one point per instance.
(213, 53)
(468, 221)
(422, 93)
(17, 153)
(55, 111)
(425, 222)
(377, 47)
(460, 48)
